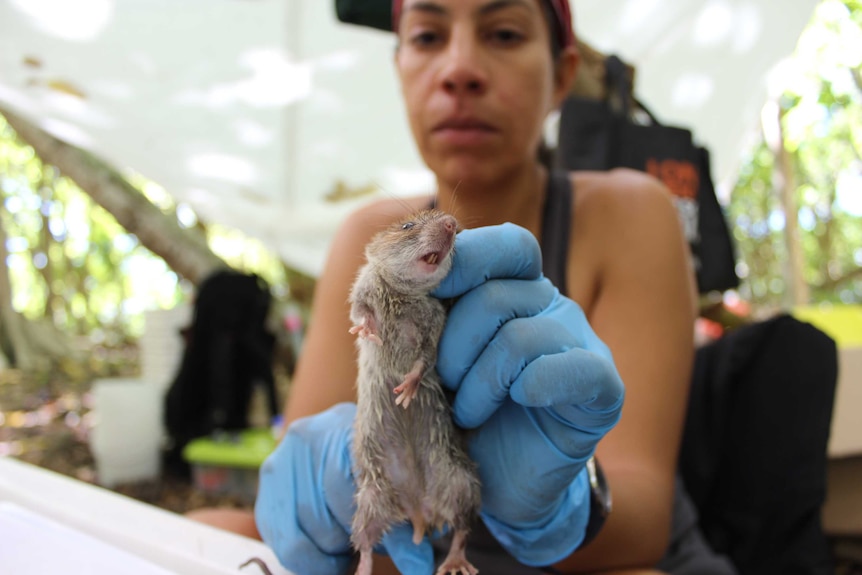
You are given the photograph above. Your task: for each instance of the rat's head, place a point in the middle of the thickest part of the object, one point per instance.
(415, 254)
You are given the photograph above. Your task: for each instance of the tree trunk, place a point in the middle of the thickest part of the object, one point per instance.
(184, 250)
(13, 344)
(797, 289)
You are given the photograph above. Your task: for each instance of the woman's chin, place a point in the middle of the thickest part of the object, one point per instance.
(464, 170)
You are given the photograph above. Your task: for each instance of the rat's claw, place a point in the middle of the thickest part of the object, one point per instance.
(403, 400)
(365, 333)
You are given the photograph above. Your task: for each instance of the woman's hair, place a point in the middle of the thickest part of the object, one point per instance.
(553, 30)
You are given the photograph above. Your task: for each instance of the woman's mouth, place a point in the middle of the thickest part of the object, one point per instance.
(464, 123)
(464, 131)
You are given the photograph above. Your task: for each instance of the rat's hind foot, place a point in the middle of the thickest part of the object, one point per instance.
(365, 331)
(456, 567)
(456, 561)
(410, 386)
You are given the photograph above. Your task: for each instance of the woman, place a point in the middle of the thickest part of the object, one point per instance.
(478, 79)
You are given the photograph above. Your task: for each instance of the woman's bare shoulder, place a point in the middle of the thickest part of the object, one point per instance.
(624, 221)
(627, 208)
(619, 191)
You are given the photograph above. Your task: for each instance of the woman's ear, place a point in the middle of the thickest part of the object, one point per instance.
(566, 69)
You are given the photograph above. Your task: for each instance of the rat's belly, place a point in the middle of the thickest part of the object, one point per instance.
(401, 443)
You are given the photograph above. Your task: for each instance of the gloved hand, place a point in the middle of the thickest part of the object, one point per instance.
(536, 383)
(305, 504)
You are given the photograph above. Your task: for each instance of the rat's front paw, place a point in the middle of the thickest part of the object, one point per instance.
(366, 332)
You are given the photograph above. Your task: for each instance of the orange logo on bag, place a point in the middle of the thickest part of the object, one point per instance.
(681, 177)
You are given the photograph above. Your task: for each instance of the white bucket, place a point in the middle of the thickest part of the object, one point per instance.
(127, 434)
(161, 345)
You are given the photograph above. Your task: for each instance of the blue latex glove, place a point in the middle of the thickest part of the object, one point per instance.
(305, 501)
(535, 381)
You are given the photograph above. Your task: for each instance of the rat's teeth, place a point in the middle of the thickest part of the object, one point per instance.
(431, 258)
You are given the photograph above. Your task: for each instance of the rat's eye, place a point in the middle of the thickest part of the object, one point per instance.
(408, 226)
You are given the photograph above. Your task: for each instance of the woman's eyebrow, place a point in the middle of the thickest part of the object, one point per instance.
(497, 5)
(430, 7)
(427, 7)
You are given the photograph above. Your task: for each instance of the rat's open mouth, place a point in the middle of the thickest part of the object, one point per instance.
(432, 259)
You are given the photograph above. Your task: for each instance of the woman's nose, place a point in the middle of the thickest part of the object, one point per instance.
(463, 73)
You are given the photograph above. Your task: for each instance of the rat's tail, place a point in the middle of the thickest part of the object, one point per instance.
(419, 526)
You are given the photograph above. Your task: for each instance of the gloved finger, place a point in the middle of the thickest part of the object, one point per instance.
(407, 556)
(570, 313)
(572, 377)
(491, 252)
(516, 345)
(477, 317)
(579, 409)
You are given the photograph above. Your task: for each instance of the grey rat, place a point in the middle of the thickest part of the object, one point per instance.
(410, 461)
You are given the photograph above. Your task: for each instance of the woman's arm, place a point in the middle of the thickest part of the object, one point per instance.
(641, 303)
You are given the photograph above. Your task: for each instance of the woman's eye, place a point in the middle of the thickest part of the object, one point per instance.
(506, 36)
(424, 39)
(408, 226)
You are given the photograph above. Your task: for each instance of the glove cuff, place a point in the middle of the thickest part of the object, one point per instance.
(551, 540)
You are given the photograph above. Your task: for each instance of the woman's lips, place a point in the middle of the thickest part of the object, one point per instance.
(464, 132)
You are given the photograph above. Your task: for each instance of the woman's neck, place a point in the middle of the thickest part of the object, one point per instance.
(517, 199)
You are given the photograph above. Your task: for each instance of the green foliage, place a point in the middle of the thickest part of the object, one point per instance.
(71, 262)
(821, 109)
(69, 259)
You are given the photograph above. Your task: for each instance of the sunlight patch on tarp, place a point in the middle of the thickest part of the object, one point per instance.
(223, 167)
(80, 21)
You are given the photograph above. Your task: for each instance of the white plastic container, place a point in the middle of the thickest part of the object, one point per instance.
(127, 434)
(161, 345)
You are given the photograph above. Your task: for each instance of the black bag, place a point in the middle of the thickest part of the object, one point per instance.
(228, 350)
(371, 13)
(600, 135)
(754, 450)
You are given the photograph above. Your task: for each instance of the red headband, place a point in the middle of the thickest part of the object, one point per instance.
(560, 8)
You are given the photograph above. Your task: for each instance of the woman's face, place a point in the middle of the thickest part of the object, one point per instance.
(478, 80)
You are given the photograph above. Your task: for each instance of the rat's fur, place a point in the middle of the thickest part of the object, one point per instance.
(410, 463)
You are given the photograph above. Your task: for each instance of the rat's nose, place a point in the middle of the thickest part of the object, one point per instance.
(449, 224)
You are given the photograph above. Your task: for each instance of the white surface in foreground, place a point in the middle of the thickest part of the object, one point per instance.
(55, 513)
(27, 535)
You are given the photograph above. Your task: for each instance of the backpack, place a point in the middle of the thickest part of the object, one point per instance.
(754, 450)
(228, 350)
(603, 134)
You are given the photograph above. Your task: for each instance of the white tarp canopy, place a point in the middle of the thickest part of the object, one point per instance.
(256, 113)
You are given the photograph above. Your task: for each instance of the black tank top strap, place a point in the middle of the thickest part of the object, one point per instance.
(556, 223)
